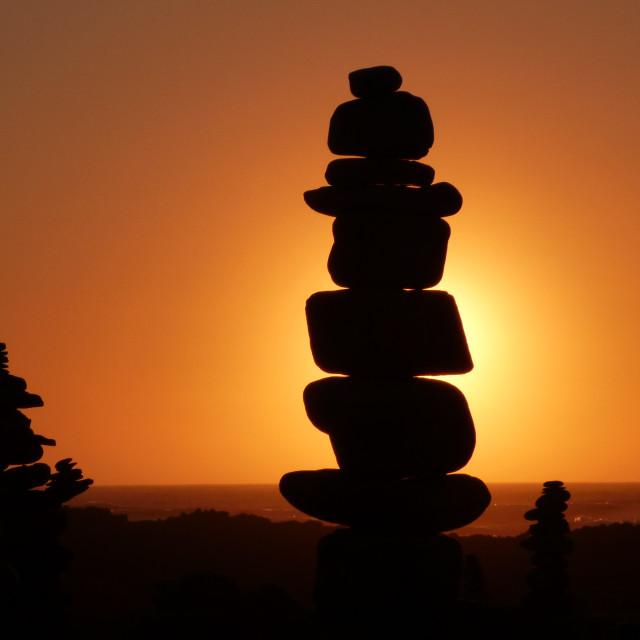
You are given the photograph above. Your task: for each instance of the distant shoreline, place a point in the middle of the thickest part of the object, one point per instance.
(119, 565)
(568, 483)
(590, 504)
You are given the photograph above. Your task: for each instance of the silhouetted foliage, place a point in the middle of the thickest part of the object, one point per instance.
(474, 588)
(227, 571)
(122, 570)
(31, 518)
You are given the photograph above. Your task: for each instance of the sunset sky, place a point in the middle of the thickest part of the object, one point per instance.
(157, 252)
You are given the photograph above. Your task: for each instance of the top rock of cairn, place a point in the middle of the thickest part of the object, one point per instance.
(382, 122)
(374, 81)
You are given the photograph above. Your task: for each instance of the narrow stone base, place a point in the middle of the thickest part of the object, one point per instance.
(380, 579)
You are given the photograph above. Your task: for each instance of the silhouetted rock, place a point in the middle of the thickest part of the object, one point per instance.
(553, 503)
(197, 590)
(551, 527)
(437, 200)
(551, 544)
(18, 443)
(374, 81)
(388, 251)
(13, 394)
(395, 437)
(354, 172)
(396, 125)
(559, 494)
(25, 477)
(423, 505)
(386, 576)
(547, 578)
(549, 559)
(30, 516)
(557, 606)
(547, 602)
(387, 333)
(67, 482)
(393, 427)
(474, 588)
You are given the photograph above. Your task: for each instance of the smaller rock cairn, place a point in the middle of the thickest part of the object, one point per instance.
(548, 599)
(31, 517)
(397, 437)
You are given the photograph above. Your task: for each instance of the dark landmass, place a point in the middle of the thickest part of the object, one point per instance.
(213, 569)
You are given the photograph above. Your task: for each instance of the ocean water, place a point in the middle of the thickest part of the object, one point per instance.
(590, 504)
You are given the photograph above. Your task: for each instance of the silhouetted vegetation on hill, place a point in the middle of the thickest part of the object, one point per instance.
(211, 566)
(121, 568)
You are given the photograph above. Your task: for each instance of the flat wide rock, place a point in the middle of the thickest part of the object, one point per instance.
(388, 251)
(420, 505)
(374, 81)
(549, 528)
(19, 449)
(19, 400)
(388, 333)
(18, 443)
(13, 393)
(393, 427)
(396, 125)
(435, 201)
(355, 172)
(26, 477)
(556, 544)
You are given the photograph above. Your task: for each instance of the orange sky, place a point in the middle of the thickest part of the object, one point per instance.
(157, 252)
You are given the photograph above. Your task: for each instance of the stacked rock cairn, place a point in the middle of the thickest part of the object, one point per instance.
(398, 437)
(31, 515)
(548, 601)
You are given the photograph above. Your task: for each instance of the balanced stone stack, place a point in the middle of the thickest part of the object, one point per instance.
(398, 437)
(31, 517)
(549, 581)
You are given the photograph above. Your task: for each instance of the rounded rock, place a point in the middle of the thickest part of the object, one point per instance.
(27, 477)
(435, 201)
(544, 515)
(368, 570)
(374, 81)
(554, 527)
(388, 251)
(422, 505)
(557, 494)
(557, 544)
(387, 333)
(549, 559)
(396, 125)
(393, 428)
(549, 502)
(547, 579)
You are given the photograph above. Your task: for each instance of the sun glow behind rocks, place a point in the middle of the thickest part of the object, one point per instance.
(159, 252)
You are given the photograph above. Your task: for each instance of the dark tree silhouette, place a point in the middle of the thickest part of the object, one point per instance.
(31, 517)
(474, 588)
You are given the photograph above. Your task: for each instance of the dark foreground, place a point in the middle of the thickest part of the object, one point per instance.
(210, 575)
